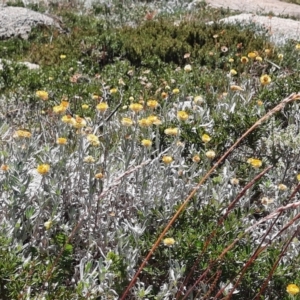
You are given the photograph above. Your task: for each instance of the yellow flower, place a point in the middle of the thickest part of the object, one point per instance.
(266, 201)
(169, 242)
(236, 88)
(84, 106)
(233, 72)
(259, 103)
(292, 289)
(99, 176)
(282, 187)
(254, 162)
(4, 168)
(61, 141)
(265, 79)
(93, 139)
(244, 59)
(58, 109)
(182, 115)
(146, 143)
(154, 120)
(144, 122)
(198, 100)
(196, 158)
(42, 95)
(131, 99)
(267, 51)
(164, 95)
(258, 58)
(68, 119)
(298, 46)
(127, 122)
(89, 159)
(43, 169)
(48, 224)
(176, 91)
(234, 181)
(210, 154)
(152, 104)
(171, 131)
(205, 138)
(113, 90)
(187, 68)
(62, 56)
(167, 159)
(252, 55)
(79, 122)
(231, 60)
(298, 177)
(280, 56)
(96, 97)
(136, 107)
(102, 107)
(22, 134)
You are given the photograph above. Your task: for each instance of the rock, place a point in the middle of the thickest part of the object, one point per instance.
(18, 21)
(29, 65)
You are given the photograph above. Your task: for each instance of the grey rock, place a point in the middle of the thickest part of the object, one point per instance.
(18, 21)
(29, 65)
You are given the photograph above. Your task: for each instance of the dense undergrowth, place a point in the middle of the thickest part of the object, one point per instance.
(132, 105)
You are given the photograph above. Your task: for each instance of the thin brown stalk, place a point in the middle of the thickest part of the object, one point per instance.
(220, 222)
(276, 109)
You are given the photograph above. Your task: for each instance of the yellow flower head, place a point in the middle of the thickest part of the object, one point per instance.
(113, 90)
(42, 95)
(58, 109)
(79, 122)
(198, 100)
(210, 154)
(254, 162)
(93, 139)
(48, 224)
(136, 107)
(4, 168)
(187, 68)
(176, 91)
(265, 79)
(102, 107)
(144, 122)
(244, 59)
(292, 289)
(266, 201)
(231, 60)
(234, 181)
(258, 58)
(182, 115)
(236, 88)
(164, 95)
(99, 176)
(205, 138)
(167, 159)
(68, 119)
(280, 56)
(84, 106)
(196, 158)
(169, 242)
(61, 141)
(267, 51)
(252, 54)
(282, 187)
(62, 56)
(43, 169)
(297, 47)
(259, 103)
(146, 143)
(233, 72)
(22, 134)
(127, 122)
(154, 120)
(152, 104)
(298, 177)
(89, 159)
(171, 131)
